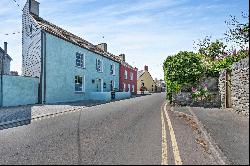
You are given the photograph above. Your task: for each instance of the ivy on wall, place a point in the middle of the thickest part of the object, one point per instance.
(188, 68)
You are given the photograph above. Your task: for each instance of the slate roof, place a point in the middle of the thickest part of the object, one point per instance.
(63, 34)
(1, 50)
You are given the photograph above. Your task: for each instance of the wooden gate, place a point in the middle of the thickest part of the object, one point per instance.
(228, 89)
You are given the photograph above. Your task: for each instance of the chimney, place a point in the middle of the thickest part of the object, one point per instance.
(146, 67)
(34, 7)
(122, 57)
(5, 47)
(103, 46)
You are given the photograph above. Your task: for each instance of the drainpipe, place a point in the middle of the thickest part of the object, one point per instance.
(2, 71)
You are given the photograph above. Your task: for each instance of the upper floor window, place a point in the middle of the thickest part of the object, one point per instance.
(79, 84)
(80, 60)
(112, 69)
(131, 75)
(99, 65)
(126, 74)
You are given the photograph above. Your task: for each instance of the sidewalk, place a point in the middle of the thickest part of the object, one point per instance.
(21, 113)
(229, 131)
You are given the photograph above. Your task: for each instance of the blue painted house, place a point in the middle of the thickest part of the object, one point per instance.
(69, 68)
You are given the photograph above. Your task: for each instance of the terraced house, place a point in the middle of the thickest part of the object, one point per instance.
(69, 67)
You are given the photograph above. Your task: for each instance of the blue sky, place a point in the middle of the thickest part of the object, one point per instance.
(147, 31)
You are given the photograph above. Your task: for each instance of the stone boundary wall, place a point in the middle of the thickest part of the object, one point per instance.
(184, 98)
(239, 86)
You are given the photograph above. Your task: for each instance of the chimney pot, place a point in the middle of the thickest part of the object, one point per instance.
(122, 57)
(34, 7)
(146, 67)
(5, 47)
(103, 46)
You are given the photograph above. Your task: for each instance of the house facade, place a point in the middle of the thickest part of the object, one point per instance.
(128, 77)
(5, 60)
(69, 68)
(144, 79)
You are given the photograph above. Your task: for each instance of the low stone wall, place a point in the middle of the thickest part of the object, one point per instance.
(19, 90)
(184, 98)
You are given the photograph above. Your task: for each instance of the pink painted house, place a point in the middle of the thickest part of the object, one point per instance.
(128, 77)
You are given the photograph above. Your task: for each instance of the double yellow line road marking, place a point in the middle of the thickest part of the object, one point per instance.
(176, 152)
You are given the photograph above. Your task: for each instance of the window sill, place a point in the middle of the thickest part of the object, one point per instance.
(79, 92)
(80, 67)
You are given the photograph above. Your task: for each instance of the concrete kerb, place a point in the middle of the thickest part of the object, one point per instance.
(217, 154)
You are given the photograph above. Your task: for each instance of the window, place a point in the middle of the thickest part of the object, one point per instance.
(133, 88)
(112, 85)
(79, 84)
(126, 74)
(112, 69)
(80, 60)
(131, 75)
(128, 87)
(99, 65)
(124, 87)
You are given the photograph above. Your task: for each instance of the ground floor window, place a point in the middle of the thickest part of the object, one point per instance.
(124, 87)
(79, 83)
(133, 88)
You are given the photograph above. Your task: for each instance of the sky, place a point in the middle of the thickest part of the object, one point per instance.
(146, 31)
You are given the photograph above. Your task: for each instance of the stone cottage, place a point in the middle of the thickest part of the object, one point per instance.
(6, 60)
(69, 68)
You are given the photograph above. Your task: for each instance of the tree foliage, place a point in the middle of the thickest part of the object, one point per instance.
(181, 69)
(211, 49)
(238, 32)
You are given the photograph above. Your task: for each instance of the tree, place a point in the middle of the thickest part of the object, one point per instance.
(211, 49)
(238, 32)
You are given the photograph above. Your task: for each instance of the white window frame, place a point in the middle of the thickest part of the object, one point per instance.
(83, 83)
(113, 69)
(129, 88)
(126, 74)
(133, 88)
(101, 67)
(124, 87)
(83, 60)
(131, 75)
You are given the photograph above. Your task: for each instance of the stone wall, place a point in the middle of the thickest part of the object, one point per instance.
(184, 98)
(239, 86)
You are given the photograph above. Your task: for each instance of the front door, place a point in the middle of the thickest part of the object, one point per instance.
(99, 85)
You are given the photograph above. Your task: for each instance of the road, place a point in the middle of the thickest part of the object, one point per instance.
(141, 130)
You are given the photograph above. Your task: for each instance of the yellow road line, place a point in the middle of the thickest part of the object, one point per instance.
(176, 152)
(164, 141)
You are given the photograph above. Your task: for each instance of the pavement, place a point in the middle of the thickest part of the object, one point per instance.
(11, 115)
(140, 130)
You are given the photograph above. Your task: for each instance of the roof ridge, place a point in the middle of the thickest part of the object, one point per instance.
(73, 38)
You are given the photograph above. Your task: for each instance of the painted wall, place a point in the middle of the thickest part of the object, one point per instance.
(19, 90)
(148, 82)
(61, 71)
(128, 80)
(122, 95)
(102, 96)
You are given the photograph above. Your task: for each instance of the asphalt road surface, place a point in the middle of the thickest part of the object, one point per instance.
(141, 130)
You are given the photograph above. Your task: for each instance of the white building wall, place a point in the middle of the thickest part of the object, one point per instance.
(31, 45)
